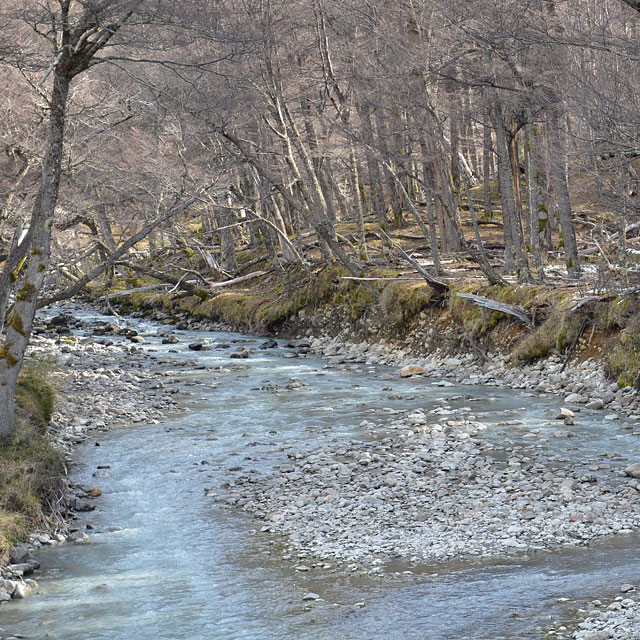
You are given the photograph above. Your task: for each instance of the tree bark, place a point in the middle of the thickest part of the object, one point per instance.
(563, 202)
(20, 321)
(533, 198)
(514, 251)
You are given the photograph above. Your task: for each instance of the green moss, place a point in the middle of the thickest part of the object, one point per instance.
(623, 360)
(615, 313)
(555, 334)
(5, 355)
(15, 321)
(233, 307)
(355, 297)
(26, 292)
(400, 302)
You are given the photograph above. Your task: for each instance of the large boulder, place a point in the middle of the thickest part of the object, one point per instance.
(8, 586)
(633, 470)
(19, 554)
(412, 370)
(23, 590)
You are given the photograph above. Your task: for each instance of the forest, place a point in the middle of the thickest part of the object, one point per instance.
(150, 142)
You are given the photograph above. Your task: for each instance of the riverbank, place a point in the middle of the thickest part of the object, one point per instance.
(432, 488)
(102, 381)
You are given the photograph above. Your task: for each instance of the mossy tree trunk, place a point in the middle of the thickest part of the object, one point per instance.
(20, 321)
(557, 158)
(79, 39)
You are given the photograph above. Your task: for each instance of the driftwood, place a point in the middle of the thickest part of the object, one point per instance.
(128, 292)
(581, 302)
(431, 280)
(228, 283)
(501, 307)
(383, 279)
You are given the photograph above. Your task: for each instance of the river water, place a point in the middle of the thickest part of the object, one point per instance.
(166, 562)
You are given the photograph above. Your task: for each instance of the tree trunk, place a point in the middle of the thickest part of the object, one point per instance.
(20, 320)
(373, 170)
(357, 201)
(533, 198)
(511, 220)
(557, 159)
(486, 172)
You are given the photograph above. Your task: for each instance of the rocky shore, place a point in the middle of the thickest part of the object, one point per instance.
(431, 488)
(617, 620)
(581, 385)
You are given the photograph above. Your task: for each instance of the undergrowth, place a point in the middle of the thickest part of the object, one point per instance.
(31, 469)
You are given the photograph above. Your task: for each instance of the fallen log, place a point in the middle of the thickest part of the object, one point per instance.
(430, 279)
(501, 307)
(228, 283)
(128, 292)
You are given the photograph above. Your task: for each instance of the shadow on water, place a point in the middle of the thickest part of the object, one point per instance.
(166, 563)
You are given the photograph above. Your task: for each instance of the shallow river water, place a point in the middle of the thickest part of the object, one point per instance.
(165, 562)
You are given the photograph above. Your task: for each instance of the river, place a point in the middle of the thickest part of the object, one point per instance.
(166, 562)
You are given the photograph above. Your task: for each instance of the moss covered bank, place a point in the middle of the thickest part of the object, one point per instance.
(407, 311)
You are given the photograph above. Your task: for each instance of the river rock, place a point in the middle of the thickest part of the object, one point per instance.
(62, 320)
(19, 554)
(310, 597)
(196, 346)
(25, 568)
(8, 586)
(412, 370)
(598, 403)
(633, 470)
(299, 343)
(22, 590)
(268, 344)
(82, 505)
(78, 536)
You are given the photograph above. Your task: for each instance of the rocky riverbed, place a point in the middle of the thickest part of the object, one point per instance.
(582, 385)
(424, 487)
(430, 490)
(617, 620)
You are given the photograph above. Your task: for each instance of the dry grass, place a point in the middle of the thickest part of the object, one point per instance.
(31, 468)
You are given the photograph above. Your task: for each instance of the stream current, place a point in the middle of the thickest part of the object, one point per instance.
(166, 562)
